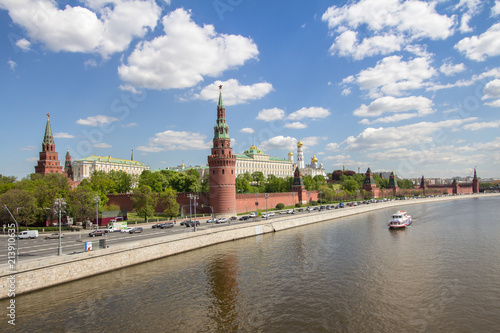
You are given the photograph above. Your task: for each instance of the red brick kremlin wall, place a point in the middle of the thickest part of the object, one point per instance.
(244, 202)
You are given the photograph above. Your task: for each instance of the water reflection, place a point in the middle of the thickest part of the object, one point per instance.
(222, 275)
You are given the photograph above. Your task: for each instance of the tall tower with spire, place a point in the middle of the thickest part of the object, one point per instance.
(300, 155)
(48, 161)
(68, 169)
(221, 164)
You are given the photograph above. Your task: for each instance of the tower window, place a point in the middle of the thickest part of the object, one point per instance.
(222, 171)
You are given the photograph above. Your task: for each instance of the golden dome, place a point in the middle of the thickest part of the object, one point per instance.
(253, 146)
(314, 159)
(290, 154)
(299, 144)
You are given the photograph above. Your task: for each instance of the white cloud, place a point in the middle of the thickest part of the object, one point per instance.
(233, 93)
(296, 125)
(479, 126)
(104, 27)
(247, 130)
(346, 44)
(346, 92)
(449, 69)
(62, 135)
(98, 120)
(464, 24)
(311, 141)
(132, 89)
(29, 148)
(176, 140)
(394, 137)
(130, 125)
(332, 146)
(279, 142)
(492, 89)
(271, 114)
(101, 145)
(386, 21)
(495, 103)
(12, 64)
(495, 73)
(389, 104)
(24, 44)
(391, 76)
(419, 50)
(495, 10)
(480, 47)
(184, 55)
(310, 112)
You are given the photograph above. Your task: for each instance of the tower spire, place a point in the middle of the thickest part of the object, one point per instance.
(48, 138)
(220, 104)
(132, 156)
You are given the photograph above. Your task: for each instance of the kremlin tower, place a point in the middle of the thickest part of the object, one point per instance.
(221, 163)
(48, 161)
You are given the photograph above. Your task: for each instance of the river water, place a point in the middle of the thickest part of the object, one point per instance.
(441, 274)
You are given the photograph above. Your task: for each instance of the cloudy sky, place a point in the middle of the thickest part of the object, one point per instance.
(408, 86)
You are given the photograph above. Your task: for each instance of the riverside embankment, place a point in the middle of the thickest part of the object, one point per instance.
(46, 272)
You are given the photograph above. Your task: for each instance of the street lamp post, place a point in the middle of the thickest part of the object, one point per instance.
(266, 195)
(194, 197)
(97, 202)
(293, 200)
(59, 204)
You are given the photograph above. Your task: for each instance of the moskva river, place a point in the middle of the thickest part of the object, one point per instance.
(441, 274)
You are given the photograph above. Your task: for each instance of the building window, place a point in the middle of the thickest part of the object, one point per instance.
(222, 171)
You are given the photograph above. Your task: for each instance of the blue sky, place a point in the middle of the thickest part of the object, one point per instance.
(405, 86)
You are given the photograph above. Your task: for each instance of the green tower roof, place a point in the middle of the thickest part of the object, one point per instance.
(48, 138)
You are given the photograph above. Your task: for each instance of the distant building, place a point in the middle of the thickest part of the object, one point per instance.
(254, 160)
(48, 161)
(84, 167)
(314, 169)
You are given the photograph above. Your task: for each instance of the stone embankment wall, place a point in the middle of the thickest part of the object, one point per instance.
(45, 272)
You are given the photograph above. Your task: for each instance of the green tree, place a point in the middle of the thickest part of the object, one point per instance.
(242, 184)
(122, 181)
(22, 205)
(144, 201)
(6, 183)
(168, 199)
(258, 177)
(350, 185)
(81, 204)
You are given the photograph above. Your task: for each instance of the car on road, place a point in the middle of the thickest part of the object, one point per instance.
(211, 220)
(309, 208)
(290, 211)
(126, 230)
(253, 214)
(190, 224)
(341, 205)
(157, 225)
(221, 220)
(54, 236)
(97, 233)
(233, 218)
(185, 222)
(244, 218)
(136, 230)
(167, 225)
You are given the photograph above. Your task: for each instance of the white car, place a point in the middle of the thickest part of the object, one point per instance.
(290, 211)
(253, 214)
(126, 230)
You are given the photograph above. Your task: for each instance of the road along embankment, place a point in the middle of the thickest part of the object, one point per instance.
(41, 273)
